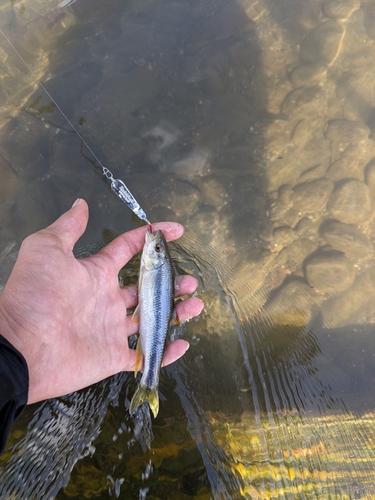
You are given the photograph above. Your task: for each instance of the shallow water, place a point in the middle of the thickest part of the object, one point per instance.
(252, 123)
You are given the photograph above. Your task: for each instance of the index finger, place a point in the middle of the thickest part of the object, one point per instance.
(122, 248)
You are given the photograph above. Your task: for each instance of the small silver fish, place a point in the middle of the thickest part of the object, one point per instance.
(154, 312)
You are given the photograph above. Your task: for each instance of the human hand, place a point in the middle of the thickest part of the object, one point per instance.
(68, 316)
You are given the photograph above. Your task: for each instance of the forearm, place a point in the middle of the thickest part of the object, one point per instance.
(14, 383)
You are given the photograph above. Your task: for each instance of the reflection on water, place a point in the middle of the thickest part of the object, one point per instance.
(252, 123)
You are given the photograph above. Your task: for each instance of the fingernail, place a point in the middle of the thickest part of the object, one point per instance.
(76, 202)
(187, 345)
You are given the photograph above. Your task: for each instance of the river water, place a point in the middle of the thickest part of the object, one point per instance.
(251, 122)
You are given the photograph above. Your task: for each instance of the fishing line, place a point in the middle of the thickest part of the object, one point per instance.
(117, 185)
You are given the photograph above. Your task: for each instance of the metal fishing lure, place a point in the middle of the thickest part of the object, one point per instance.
(117, 185)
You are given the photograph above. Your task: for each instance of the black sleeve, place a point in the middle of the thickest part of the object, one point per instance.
(14, 386)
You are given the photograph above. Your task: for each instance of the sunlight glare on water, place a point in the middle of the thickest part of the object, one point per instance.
(251, 122)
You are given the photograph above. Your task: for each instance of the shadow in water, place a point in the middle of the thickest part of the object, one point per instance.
(256, 408)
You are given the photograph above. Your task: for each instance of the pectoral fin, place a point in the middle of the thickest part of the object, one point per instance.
(136, 315)
(175, 320)
(138, 357)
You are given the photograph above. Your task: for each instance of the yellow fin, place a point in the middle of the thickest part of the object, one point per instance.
(135, 317)
(138, 357)
(143, 394)
(175, 320)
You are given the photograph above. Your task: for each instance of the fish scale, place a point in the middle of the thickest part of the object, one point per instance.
(154, 312)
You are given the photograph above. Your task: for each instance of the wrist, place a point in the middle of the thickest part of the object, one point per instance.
(13, 330)
(10, 325)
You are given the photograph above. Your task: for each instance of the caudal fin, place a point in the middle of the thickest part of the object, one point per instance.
(143, 394)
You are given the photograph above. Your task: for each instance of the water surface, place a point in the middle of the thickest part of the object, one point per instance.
(252, 123)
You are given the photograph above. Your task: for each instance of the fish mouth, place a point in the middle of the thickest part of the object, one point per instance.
(152, 234)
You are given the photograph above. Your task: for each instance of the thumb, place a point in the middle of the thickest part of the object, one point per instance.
(71, 225)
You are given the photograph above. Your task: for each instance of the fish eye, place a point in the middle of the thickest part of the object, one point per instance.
(158, 248)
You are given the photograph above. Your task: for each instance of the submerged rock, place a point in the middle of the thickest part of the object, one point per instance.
(308, 74)
(303, 226)
(348, 166)
(350, 202)
(340, 9)
(347, 239)
(292, 257)
(346, 131)
(330, 272)
(299, 99)
(354, 305)
(312, 196)
(322, 43)
(282, 235)
(295, 305)
(302, 133)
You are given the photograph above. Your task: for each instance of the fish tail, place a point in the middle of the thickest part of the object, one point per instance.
(143, 394)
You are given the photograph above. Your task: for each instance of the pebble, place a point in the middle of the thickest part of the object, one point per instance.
(282, 235)
(286, 168)
(308, 74)
(285, 194)
(295, 304)
(312, 196)
(302, 133)
(299, 17)
(347, 166)
(330, 272)
(346, 131)
(312, 173)
(340, 9)
(291, 258)
(299, 99)
(322, 43)
(350, 202)
(352, 306)
(347, 239)
(303, 226)
(289, 217)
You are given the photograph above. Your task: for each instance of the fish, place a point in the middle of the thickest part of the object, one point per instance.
(155, 312)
